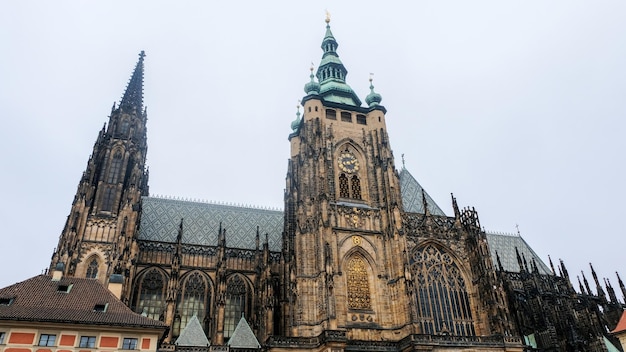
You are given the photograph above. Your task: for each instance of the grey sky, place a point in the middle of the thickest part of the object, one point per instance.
(517, 107)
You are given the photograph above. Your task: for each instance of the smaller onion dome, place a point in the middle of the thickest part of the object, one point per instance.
(295, 124)
(312, 87)
(373, 98)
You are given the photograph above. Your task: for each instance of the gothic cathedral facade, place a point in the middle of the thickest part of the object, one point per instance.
(361, 258)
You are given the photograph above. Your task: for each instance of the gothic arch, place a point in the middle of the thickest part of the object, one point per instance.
(351, 184)
(149, 293)
(194, 298)
(87, 266)
(237, 303)
(358, 268)
(442, 291)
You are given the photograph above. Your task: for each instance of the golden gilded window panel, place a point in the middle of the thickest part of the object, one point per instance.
(358, 284)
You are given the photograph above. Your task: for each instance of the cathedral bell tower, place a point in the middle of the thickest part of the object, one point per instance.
(343, 247)
(99, 235)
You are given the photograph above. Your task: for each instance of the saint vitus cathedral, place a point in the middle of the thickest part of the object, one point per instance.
(360, 259)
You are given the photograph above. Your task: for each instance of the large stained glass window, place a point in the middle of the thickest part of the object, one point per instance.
(150, 294)
(236, 299)
(193, 300)
(442, 299)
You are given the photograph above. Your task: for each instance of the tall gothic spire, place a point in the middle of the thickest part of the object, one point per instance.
(133, 96)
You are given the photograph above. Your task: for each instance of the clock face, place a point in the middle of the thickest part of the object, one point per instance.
(348, 163)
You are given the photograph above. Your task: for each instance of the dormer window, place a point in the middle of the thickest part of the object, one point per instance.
(6, 301)
(64, 288)
(100, 307)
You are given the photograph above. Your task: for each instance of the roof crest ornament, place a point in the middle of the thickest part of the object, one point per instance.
(327, 17)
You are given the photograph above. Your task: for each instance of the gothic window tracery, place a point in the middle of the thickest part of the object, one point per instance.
(358, 284)
(108, 198)
(442, 297)
(114, 169)
(92, 269)
(150, 294)
(193, 300)
(344, 190)
(355, 185)
(236, 299)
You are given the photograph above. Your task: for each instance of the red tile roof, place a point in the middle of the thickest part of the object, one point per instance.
(621, 325)
(39, 299)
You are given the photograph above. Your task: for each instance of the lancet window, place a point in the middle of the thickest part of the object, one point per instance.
(92, 269)
(193, 300)
(236, 302)
(442, 298)
(108, 198)
(358, 284)
(344, 189)
(355, 185)
(114, 169)
(150, 294)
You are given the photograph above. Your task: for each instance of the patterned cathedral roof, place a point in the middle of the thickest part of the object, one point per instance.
(505, 244)
(160, 220)
(412, 195)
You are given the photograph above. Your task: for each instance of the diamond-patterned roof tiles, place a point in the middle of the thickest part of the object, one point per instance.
(505, 245)
(193, 335)
(160, 220)
(411, 192)
(243, 337)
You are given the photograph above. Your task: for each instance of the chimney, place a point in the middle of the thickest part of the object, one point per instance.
(115, 284)
(57, 273)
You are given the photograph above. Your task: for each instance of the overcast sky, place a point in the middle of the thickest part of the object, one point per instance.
(516, 107)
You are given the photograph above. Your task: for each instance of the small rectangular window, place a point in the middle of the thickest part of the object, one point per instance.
(101, 307)
(361, 119)
(47, 340)
(129, 343)
(331, 114)
(6, 301)
(65, 288)
(346, 116)
(87, 342)
(2, 335)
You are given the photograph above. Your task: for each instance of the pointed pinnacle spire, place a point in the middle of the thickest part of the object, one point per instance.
(133, 96)
(621, 286)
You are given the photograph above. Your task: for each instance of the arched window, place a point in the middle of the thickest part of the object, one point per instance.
(236, 297)
(193, 300)
(344, 189)
(114, 169)
(150, 294)
(92, 269)
(442, 298)
(124, 126)
(355, 185)
(358, 284)
(108, 198)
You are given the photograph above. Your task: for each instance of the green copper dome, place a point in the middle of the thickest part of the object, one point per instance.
(373, 98)
(312, 87)
(295, 124)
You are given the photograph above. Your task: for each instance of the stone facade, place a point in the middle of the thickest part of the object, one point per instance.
(348, 265)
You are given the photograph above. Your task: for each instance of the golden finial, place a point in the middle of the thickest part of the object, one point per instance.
(327, 17)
